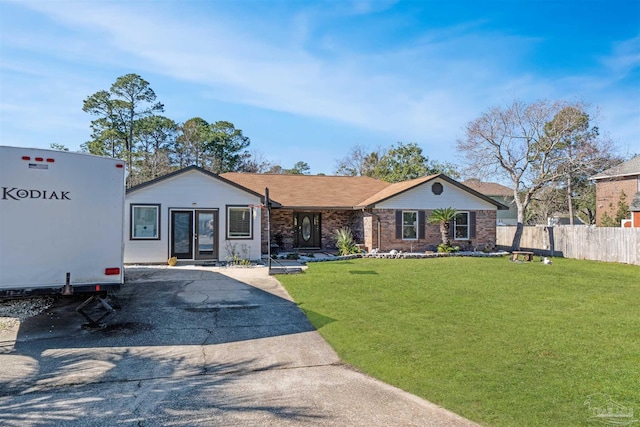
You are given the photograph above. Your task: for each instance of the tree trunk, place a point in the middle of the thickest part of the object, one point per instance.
(515, 245)
(517, 237)
(570, 200)
(444, 233)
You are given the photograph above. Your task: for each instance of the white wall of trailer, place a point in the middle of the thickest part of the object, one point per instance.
(60, 212)
(191, 190)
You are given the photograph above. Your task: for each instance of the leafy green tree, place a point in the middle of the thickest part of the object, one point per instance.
(399, 163)
(189, 146)
(225, 145)
(621, 213)
(300, 168)
(443, 217)
(58, 147)
(119, 110)
(580, 150)
(157, 136)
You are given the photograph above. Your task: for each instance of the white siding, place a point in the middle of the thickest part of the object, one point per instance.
(421, 197)
(190, 190)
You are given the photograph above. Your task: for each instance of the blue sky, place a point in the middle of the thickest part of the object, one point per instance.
(309, 80)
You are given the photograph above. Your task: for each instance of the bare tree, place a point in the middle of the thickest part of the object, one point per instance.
(512, 144)
(359, 161)
(255, 162)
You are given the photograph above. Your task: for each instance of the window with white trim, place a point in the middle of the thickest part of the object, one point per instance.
(145, 222)
(461, 226)
(239, 222)
(409, 225)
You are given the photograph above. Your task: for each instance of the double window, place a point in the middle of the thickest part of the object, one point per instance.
(145, 222)
(239, 222)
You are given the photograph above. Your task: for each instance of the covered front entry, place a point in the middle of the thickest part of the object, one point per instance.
(307, 229)
(193, 234)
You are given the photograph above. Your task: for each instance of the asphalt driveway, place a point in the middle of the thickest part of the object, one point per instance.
(192, 346)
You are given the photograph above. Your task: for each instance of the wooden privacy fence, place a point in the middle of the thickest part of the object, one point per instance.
(610, 244)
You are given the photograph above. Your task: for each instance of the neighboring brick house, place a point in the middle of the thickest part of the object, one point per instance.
(610, 184)
(381, 215)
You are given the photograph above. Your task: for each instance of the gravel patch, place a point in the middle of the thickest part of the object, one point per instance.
(14, 311)
(410, 255)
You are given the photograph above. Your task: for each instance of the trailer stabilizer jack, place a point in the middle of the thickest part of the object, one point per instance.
(94, 323)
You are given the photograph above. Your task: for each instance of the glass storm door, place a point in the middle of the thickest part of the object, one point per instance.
(194, 234)
(307, 226)
(206, 235)
(182, 234)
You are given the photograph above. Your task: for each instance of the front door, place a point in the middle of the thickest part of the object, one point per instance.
(193, 234)
(307, 225)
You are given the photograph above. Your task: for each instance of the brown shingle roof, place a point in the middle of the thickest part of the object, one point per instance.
(310, 191)
(333, 192)
(489, 188)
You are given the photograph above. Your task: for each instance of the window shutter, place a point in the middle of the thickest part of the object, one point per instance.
(398, 224)
(421, 225)
(451, 229)
(472, 225)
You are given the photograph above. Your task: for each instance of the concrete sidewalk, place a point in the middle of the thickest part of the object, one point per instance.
(193, 346)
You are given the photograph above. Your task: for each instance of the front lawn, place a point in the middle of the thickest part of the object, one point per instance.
(501, 343)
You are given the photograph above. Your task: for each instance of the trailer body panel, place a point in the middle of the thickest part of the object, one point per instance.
(61, 215)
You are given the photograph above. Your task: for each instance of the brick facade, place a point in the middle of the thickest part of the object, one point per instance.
(374, 228)
(383, 235)
(283, 230)
(608, 194)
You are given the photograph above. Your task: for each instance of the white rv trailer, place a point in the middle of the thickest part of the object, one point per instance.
(61, 222)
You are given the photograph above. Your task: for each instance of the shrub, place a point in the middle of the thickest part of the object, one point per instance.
(237, 257)
(447, 249)
(344, 242)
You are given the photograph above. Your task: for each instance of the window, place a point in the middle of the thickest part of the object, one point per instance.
(461, 226)
(145, 222)
(409, 225)
(239, 220)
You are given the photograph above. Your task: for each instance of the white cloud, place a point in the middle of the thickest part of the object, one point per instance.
(624, 58)
(424, 90)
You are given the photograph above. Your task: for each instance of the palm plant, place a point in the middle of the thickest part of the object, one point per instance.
(443, 216)
(344, 241)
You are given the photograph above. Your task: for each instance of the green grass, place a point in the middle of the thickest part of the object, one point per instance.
(501, 343)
